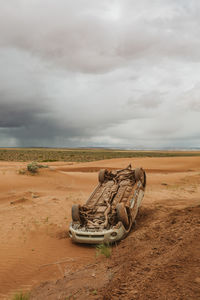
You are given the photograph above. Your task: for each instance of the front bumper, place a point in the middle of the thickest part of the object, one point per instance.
(97, 237)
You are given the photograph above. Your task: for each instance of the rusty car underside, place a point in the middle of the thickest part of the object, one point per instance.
(115, 199)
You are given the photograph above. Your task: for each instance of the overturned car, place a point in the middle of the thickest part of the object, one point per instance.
(111, 209)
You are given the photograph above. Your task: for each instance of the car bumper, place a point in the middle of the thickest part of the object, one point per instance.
(97, 237)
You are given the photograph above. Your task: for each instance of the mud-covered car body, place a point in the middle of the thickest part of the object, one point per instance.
(110, 211)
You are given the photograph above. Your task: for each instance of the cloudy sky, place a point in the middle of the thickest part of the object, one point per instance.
(117, 73)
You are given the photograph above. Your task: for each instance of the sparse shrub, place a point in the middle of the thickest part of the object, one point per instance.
(103, 249)
(21, 296)
(32, 167)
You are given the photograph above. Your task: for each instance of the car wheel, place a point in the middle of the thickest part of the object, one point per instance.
(102, 175)
(122, 214)
(140, 175)
(76, 213)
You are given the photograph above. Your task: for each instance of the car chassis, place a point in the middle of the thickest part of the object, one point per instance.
(111, 209)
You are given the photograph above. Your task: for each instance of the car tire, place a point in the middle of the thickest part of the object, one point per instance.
(76, 213)
(102, 175)
(140, 175)
(122, 214)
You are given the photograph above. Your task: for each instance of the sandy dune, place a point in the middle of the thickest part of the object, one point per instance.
(35, 213)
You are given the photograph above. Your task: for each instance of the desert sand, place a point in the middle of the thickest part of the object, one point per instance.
(159, 259)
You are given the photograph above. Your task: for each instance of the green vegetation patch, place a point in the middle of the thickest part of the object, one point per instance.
(34, 166)
(21, 296)
(81, 155)
(104, 249)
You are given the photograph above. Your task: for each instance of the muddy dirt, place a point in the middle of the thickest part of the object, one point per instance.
(160, 258)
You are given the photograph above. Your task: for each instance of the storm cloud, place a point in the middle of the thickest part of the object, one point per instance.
(100, 73)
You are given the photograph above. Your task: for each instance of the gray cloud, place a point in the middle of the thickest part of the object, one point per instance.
(98, 37)
(117, 73)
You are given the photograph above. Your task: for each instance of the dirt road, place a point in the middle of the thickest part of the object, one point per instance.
(159, 259)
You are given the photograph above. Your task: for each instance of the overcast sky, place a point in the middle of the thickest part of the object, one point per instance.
(100, 73)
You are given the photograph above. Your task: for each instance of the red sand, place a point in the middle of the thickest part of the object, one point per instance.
(157, 258)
